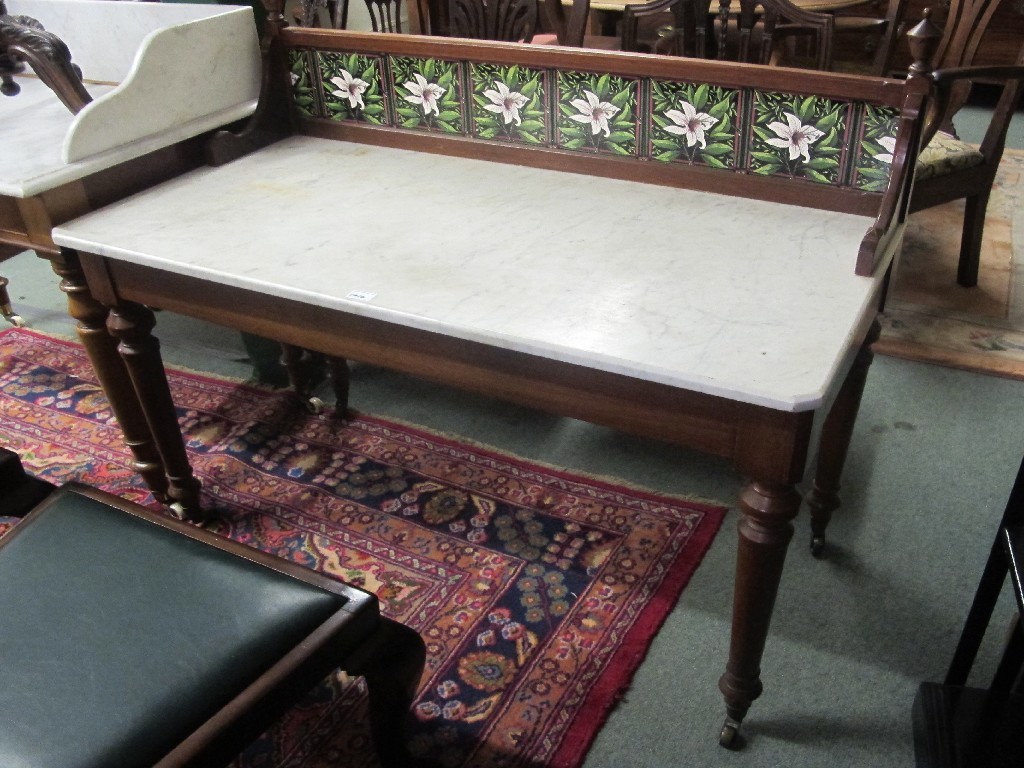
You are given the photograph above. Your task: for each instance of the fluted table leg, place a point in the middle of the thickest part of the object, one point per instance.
(101, 348)
(764, 534)
(836, 434)
(132, 324)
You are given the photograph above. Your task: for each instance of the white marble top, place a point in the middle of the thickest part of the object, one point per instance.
(750, 300)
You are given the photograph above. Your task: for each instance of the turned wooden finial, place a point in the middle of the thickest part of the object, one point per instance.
(923, 39)
(275, 12)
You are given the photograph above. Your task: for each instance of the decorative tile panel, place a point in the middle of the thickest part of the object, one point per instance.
(816, 139)
(428, 94)
(693, 123)
(353, 87)
(509, 103)
(798, 137)
(877, 141)
(597, 113)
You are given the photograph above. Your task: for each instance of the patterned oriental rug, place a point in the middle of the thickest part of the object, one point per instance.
(537, 591)
(930, 318)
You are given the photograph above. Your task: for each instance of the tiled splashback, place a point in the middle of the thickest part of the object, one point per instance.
(820, 140)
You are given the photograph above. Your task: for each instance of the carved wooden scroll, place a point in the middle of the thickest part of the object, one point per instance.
(24, 41)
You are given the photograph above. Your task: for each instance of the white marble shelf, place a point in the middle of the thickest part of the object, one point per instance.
(754, 301)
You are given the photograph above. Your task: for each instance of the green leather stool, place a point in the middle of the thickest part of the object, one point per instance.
(129, 640)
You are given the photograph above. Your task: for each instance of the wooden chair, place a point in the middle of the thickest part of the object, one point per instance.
(870, 41)
(765, 28)
(512, 21)
(950, 169)
(327, 14)
(759, 32)
(670, 27)
(385, 15)
(571, 28)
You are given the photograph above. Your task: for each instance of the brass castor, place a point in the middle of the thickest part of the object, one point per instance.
(6, 309)
(315, 405)
(730, 736)
(817, 545)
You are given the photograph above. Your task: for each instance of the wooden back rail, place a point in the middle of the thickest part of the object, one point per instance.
(861, 134)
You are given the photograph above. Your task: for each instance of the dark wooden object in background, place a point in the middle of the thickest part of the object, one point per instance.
(1002, 28)
(508, 21)
(956, 726)
(956, 68)
(752, 31)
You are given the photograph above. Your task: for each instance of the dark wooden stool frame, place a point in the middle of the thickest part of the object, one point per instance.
(356, 638)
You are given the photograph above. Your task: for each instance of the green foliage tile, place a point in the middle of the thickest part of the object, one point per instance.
(693, 123)
(797, 136)
(878, 140)
(508, 103)
(597, 113)
(428, 94)
(302, 83)
(353, 87)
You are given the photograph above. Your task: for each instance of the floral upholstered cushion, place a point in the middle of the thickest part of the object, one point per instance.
(946, 153)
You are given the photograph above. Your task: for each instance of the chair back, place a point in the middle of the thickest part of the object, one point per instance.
(764, 27)
(966, 24)
(385, 15)
(671, 27)
(757, 32)
(570, 28)
(331, 14)
(508, 21)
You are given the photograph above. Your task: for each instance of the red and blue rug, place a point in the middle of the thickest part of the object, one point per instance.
(537, 591)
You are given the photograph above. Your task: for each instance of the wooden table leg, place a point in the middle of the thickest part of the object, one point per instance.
(836, 433)
(764, 534)
(341, 377)
(304, 369)
(101, 348)
(391, 660)
(5, 305)
(132, 324)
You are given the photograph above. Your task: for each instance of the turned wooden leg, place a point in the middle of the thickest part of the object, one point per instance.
(836, 433)
(6, 309)
(391, 660)
(131, 324)
(970, 242)
(764, 534)
(302, 366)
(101, 348)
(340, 374)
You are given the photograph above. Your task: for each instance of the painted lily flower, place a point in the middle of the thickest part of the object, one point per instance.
(425, 94)
(795, 136)
(889, 143)
(690, 123)
(351, 88)
(505, 103)
(595, 112)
